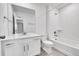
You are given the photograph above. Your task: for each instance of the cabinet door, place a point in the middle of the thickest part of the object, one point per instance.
(3, 19)
(34, 46)
(25, 46)
(13, 48)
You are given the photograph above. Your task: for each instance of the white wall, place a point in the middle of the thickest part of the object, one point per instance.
(53, 21)
(69, 20)
(3, 22)
(41, 20)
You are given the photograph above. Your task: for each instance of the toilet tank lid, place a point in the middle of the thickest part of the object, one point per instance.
(47, 42)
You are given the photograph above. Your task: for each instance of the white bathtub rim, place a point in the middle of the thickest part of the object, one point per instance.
(76, 47)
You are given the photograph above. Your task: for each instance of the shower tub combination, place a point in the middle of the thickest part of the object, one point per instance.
(68, 47)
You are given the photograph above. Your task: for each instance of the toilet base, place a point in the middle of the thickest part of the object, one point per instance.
(48, 50)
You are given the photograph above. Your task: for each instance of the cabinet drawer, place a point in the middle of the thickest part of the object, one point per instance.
(9, 43)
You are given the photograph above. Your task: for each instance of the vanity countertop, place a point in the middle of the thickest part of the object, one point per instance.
(19, 36)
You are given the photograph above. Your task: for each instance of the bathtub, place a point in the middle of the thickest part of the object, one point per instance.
(66, 46)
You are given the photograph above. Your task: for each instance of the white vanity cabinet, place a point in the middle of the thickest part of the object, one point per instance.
(12, 48)
(21, 47)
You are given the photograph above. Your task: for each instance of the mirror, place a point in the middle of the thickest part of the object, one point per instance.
(23, 20)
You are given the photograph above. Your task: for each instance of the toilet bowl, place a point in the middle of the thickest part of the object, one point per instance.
(47, 46)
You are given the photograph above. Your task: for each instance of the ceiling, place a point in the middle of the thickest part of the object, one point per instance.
(54, 5)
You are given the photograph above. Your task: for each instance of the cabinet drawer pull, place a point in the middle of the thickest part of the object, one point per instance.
(9, 44)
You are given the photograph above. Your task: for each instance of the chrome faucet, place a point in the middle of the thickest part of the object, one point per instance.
(55, 34)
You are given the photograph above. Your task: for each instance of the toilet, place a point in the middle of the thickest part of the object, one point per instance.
(47, 46)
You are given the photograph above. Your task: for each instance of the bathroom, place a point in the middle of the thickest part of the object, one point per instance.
(39, 29)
